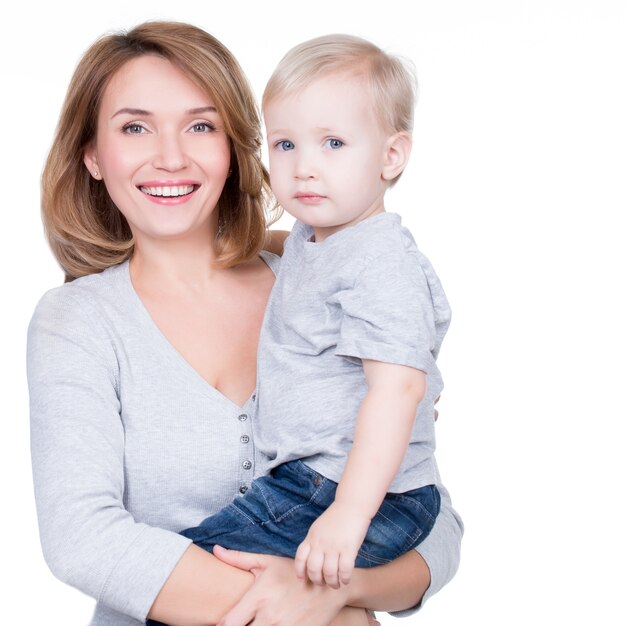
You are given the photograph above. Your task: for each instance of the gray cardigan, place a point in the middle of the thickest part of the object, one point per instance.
(130, 445)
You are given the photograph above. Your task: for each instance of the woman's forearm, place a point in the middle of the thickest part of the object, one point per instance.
(395, 586)
(200, 590)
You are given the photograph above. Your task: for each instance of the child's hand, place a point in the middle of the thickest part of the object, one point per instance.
(330, 548)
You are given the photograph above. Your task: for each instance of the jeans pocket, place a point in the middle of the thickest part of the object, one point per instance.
(290, 487)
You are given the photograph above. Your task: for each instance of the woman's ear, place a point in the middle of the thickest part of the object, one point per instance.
(397, 152)
(90, 159)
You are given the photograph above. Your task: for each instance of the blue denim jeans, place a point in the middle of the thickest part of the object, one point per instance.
(274, 516)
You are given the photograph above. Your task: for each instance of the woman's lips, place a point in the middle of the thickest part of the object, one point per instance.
(169, 193)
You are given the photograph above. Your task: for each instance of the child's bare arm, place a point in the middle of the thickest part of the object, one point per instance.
(382, 433)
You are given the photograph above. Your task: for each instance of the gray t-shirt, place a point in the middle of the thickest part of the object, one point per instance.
(365, 292)
(130, 445)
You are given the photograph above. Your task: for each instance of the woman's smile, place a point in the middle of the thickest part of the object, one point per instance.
(169, 193)
(169, 146)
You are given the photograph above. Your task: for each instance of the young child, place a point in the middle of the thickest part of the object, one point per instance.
(346, 369)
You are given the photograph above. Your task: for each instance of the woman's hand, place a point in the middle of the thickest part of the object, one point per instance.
(371, 618)
(278, 597)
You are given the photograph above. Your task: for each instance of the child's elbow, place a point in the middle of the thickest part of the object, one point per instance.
(414, 386)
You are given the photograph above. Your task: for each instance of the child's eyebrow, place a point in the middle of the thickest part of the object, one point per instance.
(278, 133)
(284, 131)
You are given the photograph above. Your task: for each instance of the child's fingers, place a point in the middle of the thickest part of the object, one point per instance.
(346, 565)
(314, 567)
(329, 570)
(302, 554)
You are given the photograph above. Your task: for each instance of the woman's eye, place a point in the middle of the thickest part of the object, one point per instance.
(202, 127)
(334, 144)
(133, 129)
(285, 145)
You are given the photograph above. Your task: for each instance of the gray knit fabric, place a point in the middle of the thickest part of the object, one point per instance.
(365, 292)
(131, 445)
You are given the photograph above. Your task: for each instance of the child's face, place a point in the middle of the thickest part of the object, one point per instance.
(327, 152)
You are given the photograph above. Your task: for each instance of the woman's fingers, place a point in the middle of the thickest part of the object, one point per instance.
(241, 614)
(371, 617)
(242, 560)
(437, 412)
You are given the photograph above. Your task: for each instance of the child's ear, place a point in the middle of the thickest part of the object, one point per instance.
(90, 159)
(397, 152)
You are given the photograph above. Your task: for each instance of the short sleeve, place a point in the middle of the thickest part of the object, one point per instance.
(271, 260)
(388, 315)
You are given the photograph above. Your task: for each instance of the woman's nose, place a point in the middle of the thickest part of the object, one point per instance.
(170, 154)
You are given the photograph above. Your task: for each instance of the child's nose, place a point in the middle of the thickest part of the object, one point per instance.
(306, 168)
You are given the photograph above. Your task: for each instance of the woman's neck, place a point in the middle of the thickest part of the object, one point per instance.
(174, 265)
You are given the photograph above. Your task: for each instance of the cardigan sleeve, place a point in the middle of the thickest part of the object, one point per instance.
(89, 539)
(441, 549)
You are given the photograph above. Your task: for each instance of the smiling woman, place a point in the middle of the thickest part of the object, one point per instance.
(86, 229)
(147, 137)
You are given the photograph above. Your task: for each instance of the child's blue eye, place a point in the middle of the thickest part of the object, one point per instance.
(334, 144)
(285, 145)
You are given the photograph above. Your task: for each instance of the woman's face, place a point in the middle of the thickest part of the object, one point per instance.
(161, 151)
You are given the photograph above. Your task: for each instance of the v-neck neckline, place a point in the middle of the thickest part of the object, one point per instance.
(173, 352)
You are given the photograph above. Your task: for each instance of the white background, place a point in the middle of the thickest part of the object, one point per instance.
(514, 190)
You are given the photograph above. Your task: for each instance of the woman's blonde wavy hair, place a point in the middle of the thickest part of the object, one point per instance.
(86, 231)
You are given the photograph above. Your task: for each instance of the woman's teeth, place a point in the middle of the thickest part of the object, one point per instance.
(176, 190)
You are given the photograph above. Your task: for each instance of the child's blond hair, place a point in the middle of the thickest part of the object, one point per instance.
(389, 80)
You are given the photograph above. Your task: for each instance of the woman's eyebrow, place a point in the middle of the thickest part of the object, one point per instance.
(209, 109)
(131, 111)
